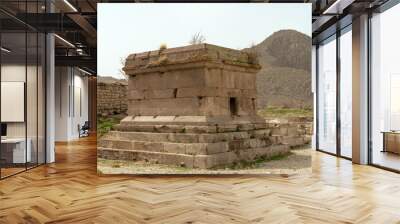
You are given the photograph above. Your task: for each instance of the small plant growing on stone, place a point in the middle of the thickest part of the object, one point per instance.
(252, 54)
(197, 38)
(122, 61)
(115, 165)
(163, 59)
(163, 46)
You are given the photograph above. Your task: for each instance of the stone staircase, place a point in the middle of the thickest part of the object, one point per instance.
(196, 146)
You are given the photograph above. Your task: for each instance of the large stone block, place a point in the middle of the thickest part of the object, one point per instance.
(183, 137)
(209, 161)
(116, 154)
(266, 152)
(280, 131)
(260, 133)
(213, 78)
(200, 92)
(244, 80)
(114, 143)
(177, 160)
(218, 147)
(246, 106)
(183, 78)
(134, 128)
(144, 136)
(159, 93)
(249, 93)
(245, 127)
(165, 107)
(293, 140)
(170, 128)
(136, 94)
(292, 131)
(307, 139)
(201, 129)
(229, 78)
(227, 127)
(260, 125)
(149, 146)
(209, 138)
(214, 106)
(196, 149)
(178, 148)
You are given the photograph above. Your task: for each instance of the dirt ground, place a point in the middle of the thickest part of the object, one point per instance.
(297, 162)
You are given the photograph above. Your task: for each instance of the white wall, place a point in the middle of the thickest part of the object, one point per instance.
(33, 126)
(16, 73)
(62, 82)
(70, 83)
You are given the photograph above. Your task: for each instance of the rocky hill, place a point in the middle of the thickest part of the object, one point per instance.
(111, 80)
(285, 77)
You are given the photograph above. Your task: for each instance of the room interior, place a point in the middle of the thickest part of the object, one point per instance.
(39, 94)
(359, 41)
(22, 101)
(340, 190)
(385, 90)
(23, 55)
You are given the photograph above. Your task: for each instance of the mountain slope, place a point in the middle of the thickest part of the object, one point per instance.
(110, 80)
(285, 77)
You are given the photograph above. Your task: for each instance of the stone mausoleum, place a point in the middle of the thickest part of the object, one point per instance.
(192, 106)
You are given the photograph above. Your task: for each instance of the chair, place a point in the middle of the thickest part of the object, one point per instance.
(84, 130)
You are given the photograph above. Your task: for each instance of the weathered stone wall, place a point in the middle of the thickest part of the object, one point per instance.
(294, 132)
(196, 80)
(192, 92)
(111, 98)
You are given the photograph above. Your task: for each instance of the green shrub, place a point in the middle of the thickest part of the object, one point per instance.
(105, 124)
(282, 112)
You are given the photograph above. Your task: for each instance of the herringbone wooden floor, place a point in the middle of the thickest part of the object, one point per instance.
(70, 191)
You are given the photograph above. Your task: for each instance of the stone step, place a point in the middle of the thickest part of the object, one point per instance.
(294, 141)
(152, 157)
(198, 129)
(240, 144)
(185, 148)
(181, 137)
(167, 147)
(192, 161)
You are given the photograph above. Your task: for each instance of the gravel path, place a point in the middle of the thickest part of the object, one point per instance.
(298, 162)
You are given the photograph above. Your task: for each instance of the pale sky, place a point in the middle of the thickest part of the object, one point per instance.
(132, 28)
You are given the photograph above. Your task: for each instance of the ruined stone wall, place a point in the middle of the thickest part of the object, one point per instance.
(294, 132)
(111, 98)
